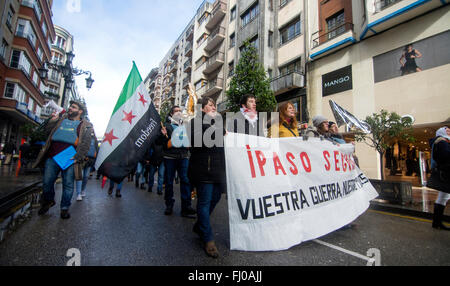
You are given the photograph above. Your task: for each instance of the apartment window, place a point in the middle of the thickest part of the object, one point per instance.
(250, 15)
(295, 66)
(336, 25)
(283, 3)
(40, 53)
(25, 30)
(270, 73)
(9, 18)
(30, 104)
(44, 29)
(9, 90)
(232, 40)
(291, 31)
(199, 84)
(270, 39)
(3, 49)
(15, 59)
(255, 42)
(231, 69)
(233, 14)
(60, 42)
(204, 18)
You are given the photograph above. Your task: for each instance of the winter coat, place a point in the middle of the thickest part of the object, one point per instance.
(284, 131)
(440, 173)
(168, 150)
(207, 164)
(157, 155)
(84, 143)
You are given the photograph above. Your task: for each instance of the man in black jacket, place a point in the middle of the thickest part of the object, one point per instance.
(176, 159)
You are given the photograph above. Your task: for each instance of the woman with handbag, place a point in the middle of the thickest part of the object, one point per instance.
(440, 174)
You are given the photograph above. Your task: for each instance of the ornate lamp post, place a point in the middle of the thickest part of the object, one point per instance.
(68, 73)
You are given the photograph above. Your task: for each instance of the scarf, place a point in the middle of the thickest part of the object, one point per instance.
(250, 115)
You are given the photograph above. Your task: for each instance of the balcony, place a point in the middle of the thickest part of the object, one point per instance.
(190, 34)
(188, 49)
(186, 81)
(173, 67)
(173, 81)
(218, 12)
(389, 13)
(174, 54)
(187, 66)
(287, 82)
(335, 39)
(214, 62)
(216, 37)
(213, 87)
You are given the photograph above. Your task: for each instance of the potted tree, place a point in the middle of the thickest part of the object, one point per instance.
(385, 127)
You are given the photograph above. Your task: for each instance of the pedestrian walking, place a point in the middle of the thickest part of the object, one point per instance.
(87, 167)
(118, 189)
(9, 150)
(69, 130)
(140, 177)
(287, 124)
(207, 171)
(246, 120)
(156, 164)
(440, 174)
(176, 159)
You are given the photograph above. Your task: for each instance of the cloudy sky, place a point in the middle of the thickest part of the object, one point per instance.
(110, 34)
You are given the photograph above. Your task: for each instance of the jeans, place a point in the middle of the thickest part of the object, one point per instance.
(180, 166)
(140, 171)
(208, 196)
(112, 184)
(151, 176)
(51, 172)
(81, 185)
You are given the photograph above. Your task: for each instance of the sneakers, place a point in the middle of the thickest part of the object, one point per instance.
(65, 214)
(79, 198)
(83, 194)
(45, 206)
(189, 212)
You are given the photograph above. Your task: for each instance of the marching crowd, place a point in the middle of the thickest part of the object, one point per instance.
(200, 167)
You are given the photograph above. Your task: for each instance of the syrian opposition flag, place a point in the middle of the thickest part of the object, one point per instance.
(133, 127)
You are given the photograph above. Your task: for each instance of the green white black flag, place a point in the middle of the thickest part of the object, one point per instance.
(133, 127)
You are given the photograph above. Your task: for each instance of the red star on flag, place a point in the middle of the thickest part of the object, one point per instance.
(129, 116)
(109, 137)
(142, 99)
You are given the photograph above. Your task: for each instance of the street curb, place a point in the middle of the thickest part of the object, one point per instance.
(402, 211)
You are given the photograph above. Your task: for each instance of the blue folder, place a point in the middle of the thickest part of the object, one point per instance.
(63, 159)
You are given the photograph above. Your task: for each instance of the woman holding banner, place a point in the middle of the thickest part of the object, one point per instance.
(288, 126)
(207, 170)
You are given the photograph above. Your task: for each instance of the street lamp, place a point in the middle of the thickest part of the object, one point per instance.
(68, 73)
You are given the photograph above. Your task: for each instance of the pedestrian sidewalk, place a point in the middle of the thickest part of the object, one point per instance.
(421, 203)
(11, 185)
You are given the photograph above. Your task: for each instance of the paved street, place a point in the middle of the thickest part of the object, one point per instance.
(134, 231)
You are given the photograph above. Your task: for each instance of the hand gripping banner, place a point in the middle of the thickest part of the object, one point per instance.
(282, 192)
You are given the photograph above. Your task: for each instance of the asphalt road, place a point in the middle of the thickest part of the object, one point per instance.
(133, 231)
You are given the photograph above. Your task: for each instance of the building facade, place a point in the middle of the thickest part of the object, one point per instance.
(26, 34)
(63, 44)
(373, 55)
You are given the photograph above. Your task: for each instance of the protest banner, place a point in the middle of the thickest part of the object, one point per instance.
(284, 191)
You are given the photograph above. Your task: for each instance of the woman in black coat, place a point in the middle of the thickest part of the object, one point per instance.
(207, 169)
(440, 174)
